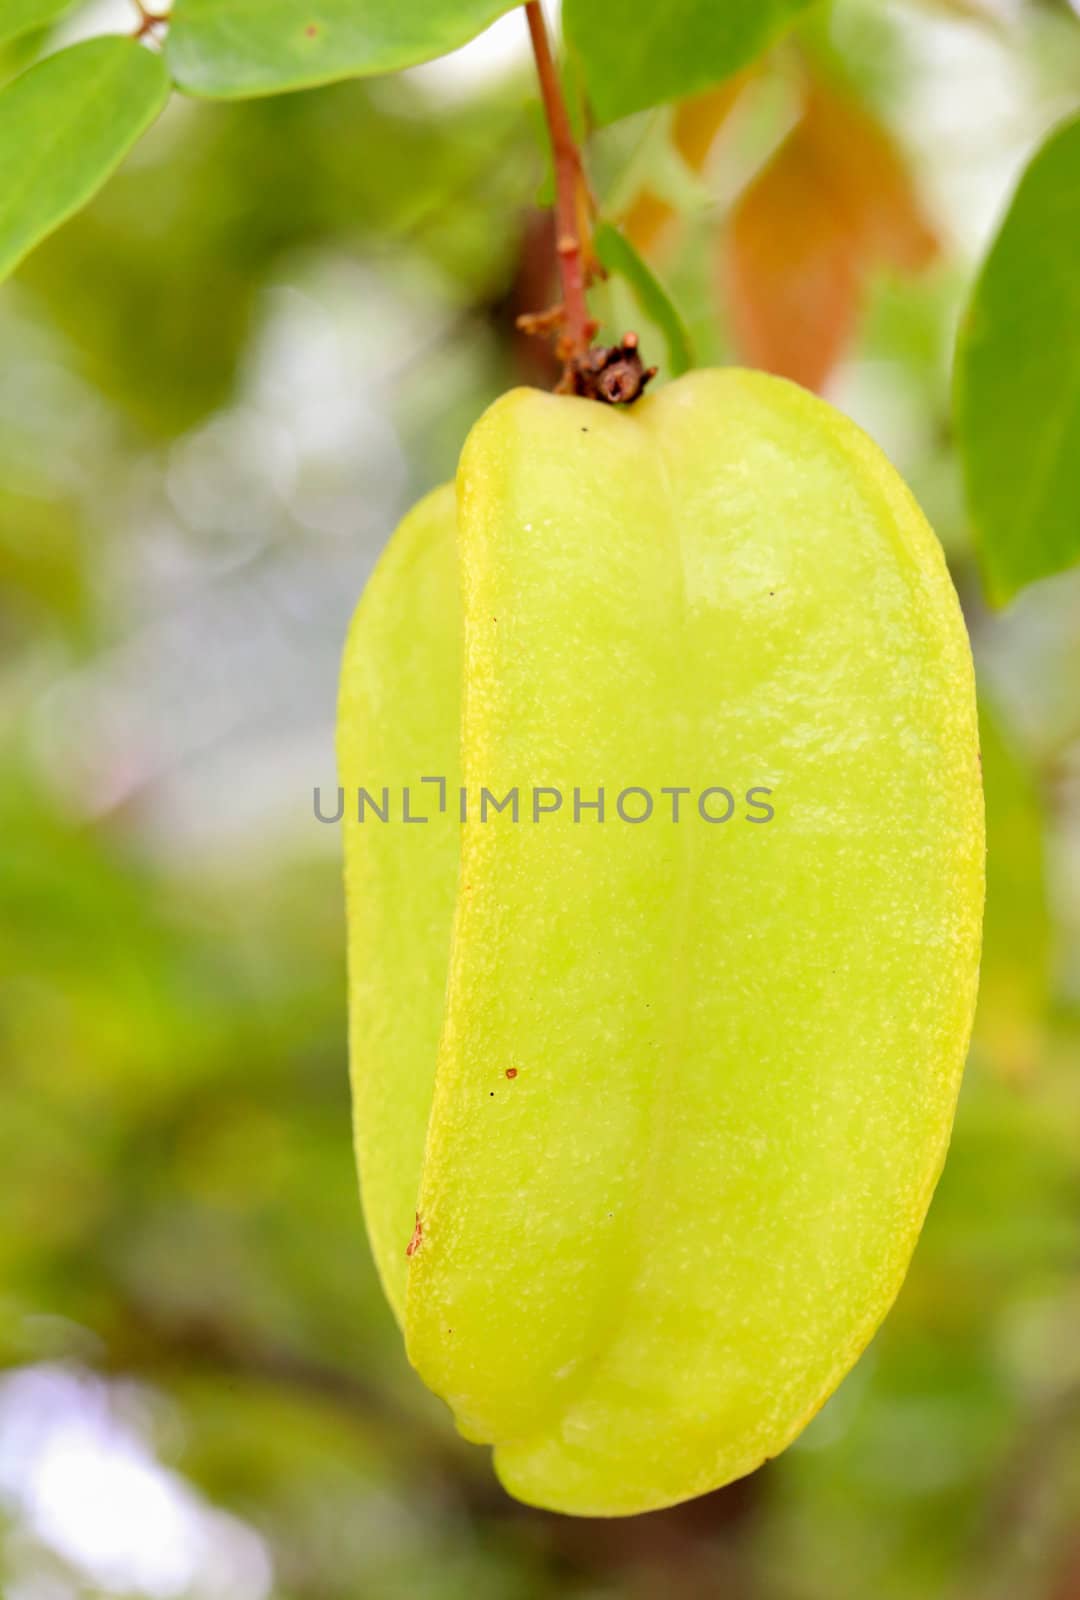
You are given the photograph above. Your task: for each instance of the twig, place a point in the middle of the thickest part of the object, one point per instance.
(578, 328)
(612, 374)
(148, 20)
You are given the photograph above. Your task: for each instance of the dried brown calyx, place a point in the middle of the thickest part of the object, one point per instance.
(613, 374)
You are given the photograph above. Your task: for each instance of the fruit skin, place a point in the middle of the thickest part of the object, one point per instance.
(649, 1256)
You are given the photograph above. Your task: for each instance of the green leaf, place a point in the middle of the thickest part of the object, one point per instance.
(64, 126)
(22, 16)
(639, 53)
(1015, 974)
(233, 48)
(618, 255)
(1018, 379)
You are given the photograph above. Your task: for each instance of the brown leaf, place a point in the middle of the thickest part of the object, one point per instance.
(834, 201)
(793, 282)
(871, 179)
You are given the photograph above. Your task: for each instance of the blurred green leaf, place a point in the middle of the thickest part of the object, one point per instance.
(618, 255)
(188, 240)
(1014, 980)
(41, 586)
(20, 16)
(64, 126)
(637, 53)
(232, 48)
(1018, 379)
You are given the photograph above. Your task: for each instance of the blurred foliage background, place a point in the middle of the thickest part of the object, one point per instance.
(220, 388)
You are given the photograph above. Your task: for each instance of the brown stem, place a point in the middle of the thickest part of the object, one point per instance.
(569, 184)
(613, 374)
(148, 20)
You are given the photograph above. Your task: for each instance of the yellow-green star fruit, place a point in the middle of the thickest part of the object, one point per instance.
(649, 1113)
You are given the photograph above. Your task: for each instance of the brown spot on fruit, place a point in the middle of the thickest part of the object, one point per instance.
(417, 1237)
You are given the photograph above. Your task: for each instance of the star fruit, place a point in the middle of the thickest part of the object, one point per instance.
(649, 1113)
